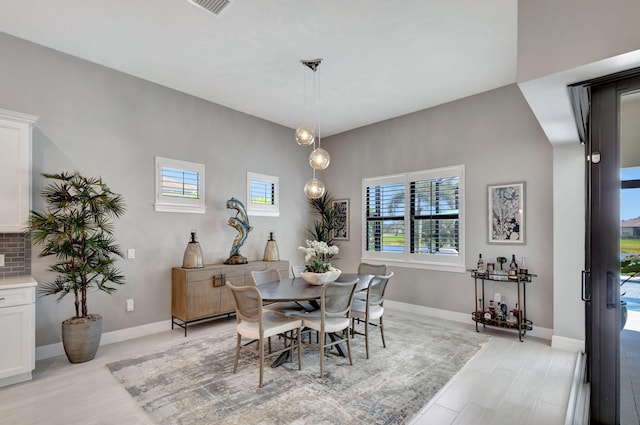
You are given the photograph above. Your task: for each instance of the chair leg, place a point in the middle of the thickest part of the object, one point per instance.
(322, 334)
(382, 332)
(366, 337)
(349, 346)
(299, 349)
(261, 348)
(235, 362)
(291, 345)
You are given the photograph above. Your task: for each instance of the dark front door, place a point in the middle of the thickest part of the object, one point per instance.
(603, 248)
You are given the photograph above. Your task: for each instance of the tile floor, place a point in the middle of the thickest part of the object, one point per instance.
(506, 382)
(630, 371)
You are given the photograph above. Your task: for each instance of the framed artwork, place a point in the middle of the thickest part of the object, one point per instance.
(341, 206)
(506, 213)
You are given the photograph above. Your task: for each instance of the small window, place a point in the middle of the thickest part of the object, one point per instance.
(263, 195)
(179, 186)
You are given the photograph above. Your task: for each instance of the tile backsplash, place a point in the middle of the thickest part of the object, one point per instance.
(16, 248)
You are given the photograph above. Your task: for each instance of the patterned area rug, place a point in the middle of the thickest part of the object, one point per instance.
(193, 383)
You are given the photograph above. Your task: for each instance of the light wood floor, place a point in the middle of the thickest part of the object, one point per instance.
(630, 371)
(506, 382)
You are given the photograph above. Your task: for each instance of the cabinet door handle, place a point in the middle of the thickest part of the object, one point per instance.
(2, 298)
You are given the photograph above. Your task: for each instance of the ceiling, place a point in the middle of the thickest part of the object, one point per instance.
(381, 59)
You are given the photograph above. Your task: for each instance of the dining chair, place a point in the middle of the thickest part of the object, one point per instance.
(376, 269)
(256, 324)
(283, 308)
(334, 316)
(372, 269)
(370, 309)
(297, 270)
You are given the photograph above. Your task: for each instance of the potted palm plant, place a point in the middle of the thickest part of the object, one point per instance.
(327, 219)
(76, 228)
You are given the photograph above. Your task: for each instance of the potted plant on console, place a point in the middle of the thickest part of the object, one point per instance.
(77, 228)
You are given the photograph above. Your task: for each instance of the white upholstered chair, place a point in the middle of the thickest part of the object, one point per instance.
(254, 323)
(372, 269)
(283, 308)
(371, 309)
(297, 270)
(366, 268)
(334, 317)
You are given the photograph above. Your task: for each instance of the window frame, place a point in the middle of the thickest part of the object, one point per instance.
(177, 204)
(415, 260)
(264, 210)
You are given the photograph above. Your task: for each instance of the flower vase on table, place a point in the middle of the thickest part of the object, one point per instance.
(318, 269)
(320, 278)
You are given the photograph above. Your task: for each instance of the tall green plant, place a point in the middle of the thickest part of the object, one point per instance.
(327, 219)
(77, 228)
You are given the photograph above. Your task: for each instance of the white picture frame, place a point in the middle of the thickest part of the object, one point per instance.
(506, 213)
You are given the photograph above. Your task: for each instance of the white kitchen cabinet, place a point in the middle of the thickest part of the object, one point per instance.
(17, 329)
(15, 170)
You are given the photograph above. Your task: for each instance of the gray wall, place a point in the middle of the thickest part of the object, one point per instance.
(105, 123)
(499, 140)
(102, 122)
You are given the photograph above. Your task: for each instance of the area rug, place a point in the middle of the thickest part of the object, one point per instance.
(192, 383)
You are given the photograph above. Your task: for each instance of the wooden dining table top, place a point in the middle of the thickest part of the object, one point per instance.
(297, 289)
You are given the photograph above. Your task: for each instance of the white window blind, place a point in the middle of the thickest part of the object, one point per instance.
(179, 186)
(416, 219)
(181, 183)
(263, 195)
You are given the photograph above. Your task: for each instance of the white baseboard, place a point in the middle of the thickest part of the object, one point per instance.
(54, 350)
(567, 344)
(408, 310)
(419, 310)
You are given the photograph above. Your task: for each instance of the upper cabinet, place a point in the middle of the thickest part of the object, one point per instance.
(15, 170)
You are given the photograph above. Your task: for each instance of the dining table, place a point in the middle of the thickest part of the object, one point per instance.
(296, 289)
(306, 295)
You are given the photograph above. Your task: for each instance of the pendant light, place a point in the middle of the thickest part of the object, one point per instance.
(319, 158)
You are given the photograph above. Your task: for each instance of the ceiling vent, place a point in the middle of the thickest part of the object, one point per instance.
(214, 6)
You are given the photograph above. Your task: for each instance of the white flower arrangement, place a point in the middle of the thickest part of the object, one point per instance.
(317, 255)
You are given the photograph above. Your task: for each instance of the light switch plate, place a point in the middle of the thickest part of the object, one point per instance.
(131, 253)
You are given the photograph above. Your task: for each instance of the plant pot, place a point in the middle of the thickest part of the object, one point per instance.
(623, 314)
(81, 337)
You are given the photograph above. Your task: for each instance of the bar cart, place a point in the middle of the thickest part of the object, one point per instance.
(481, 315)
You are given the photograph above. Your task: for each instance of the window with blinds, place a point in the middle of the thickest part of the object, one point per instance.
(385, 217)
(263, 195)
(181, 183)
(179, 186)
(416, 219)
(435, 216)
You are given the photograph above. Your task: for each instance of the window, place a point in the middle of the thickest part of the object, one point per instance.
(263, 195)
(415, 219)
(179, 186)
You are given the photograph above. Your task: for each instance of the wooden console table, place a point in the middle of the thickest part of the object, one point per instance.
(199, 294)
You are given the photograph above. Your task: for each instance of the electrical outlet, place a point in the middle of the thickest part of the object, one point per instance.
(1, 260)
(129, 304)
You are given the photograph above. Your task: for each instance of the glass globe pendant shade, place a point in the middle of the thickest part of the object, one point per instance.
(319, 159)
(314, 189)
(304, 135)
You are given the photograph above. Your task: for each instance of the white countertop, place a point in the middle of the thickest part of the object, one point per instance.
(17, 282)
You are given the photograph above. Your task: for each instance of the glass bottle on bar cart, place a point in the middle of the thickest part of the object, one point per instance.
(513, 268)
